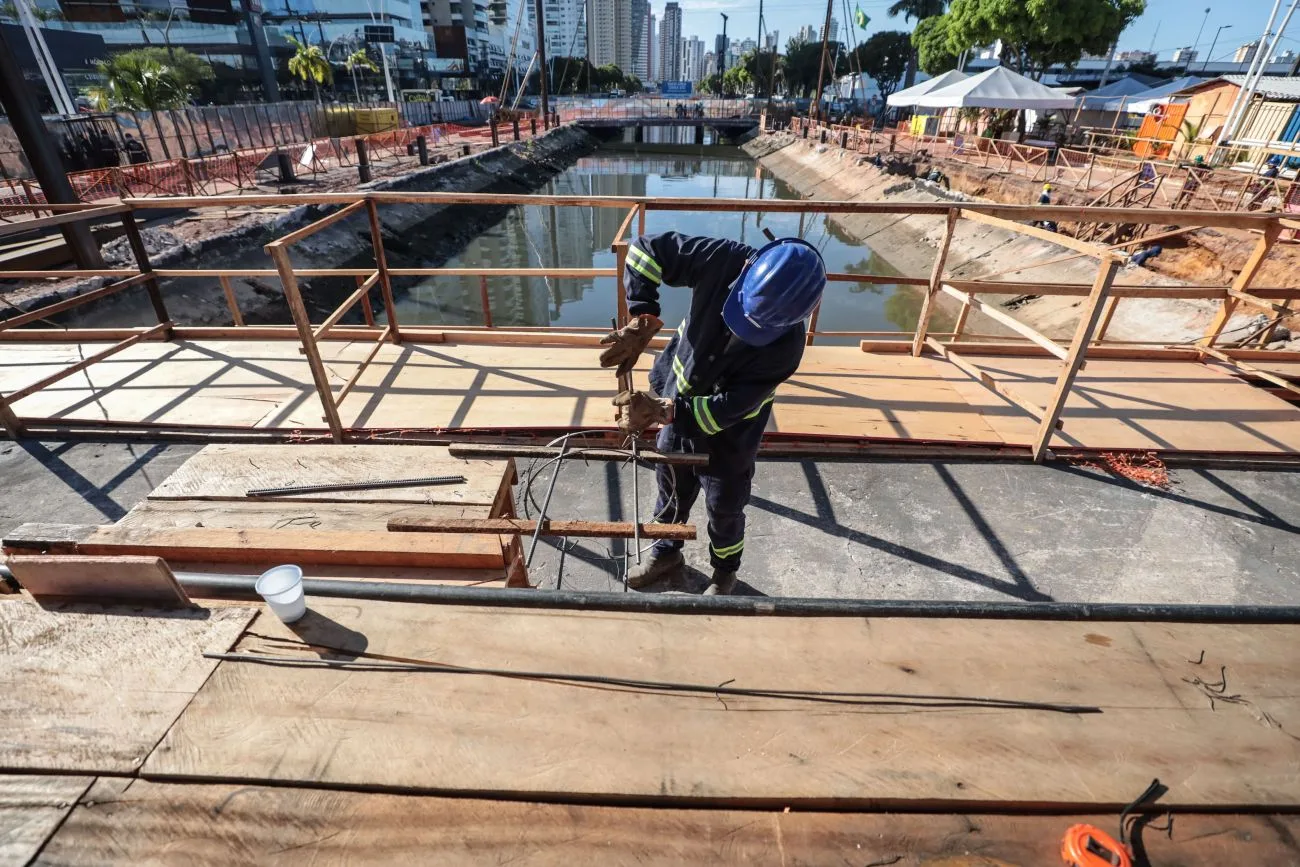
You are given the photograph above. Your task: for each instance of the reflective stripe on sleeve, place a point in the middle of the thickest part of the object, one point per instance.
(771, 397)
(729, 551)
(644, 265)
(703, 417)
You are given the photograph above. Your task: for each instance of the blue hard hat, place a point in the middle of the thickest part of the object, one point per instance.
(779, 288)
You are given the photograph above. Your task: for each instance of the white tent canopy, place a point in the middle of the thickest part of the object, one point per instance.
(909, 95)
(999, 87)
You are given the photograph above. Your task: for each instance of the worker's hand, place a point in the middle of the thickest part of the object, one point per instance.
(627, 343)
(638, 411)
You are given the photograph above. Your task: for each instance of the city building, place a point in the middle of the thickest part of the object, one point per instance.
(671, 49)
(616, 33)
(460, 31)
(708, 66)
(808, 33)
(565, 34)
(692, 59)
(1185, 55)
(653, 65)
(512, 37)
(1246, 52)
(1287, 56)
(834, 31)
(638, 60)
(772, 41)
(1135, 57)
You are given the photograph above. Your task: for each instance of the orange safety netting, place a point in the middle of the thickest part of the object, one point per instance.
(1145, 468)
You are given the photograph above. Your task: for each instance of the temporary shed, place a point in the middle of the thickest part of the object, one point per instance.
(909, 95)
(999, 87)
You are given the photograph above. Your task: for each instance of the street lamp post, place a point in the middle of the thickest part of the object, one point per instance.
(1212, 44)
(1188, 64)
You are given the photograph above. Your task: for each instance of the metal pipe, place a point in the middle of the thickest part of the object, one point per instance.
(357, 486)
(241, 587)
(546, 503)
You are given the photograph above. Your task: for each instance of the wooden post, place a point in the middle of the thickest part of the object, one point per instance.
(485, 300)
(366, 310)
(309, 348)
(961, 319)
(381, 265)
(142, 262)
(515, 128)
(496, 135)
(640, 219)
(1242, 284)
(620, 254)
(936, 277)
(1078, 350)
(422, 149)
(812, 324)
(363, 160)
(10, 421)
(231, 302)
(1107, 315)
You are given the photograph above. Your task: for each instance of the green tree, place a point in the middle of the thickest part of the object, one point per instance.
(803, 62)
(759, 66)
(710, 84)
(632, 84)
(735, 81)
(885, 57)
(919, 10)
(358, 59)
(309, 64)
(933, 49)
(146, 79)
(1037, 34)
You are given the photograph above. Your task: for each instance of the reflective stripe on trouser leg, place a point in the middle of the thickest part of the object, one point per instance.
(683, 479)
(726, 498)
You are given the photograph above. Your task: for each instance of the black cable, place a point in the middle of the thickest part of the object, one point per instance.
(849, 698)
(1154, 790)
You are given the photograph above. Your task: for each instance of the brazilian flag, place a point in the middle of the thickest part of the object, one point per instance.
(861, 18)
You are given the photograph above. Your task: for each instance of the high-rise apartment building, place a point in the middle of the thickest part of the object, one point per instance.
(566, 35)
(692, 59)
(808, 33)
(616, 33)
(671, 51)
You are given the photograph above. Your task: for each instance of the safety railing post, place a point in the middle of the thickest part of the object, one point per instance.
(381, 265)
(936, 279)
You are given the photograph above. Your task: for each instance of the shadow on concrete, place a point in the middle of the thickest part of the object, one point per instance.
(97, 496)
(1021, 587)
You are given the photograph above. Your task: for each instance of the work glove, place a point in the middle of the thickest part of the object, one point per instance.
(627, 343)
(638, 411)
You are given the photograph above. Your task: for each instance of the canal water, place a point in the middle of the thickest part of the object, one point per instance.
(580, 237)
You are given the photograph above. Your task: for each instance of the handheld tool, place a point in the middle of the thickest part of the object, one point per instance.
(1089, 846)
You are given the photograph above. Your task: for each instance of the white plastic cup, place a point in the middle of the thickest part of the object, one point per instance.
(281, 587)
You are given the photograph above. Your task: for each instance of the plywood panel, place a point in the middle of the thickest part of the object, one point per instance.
(90, 689)
(31, 807)
(144, 580)
(228, 472)
(544, 739)
(222, 825)
(1121, 404)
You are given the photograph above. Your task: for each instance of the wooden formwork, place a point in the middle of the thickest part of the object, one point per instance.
(1098, 303)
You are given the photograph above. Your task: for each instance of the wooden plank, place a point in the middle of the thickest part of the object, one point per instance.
(63, 578)
(31, 808)
(1007, 287)
(324, 222)
(60, 219)
(47, 538)
(590, 453)
(225, 825)
(1078, 350)
(992, 311)
(232, 303)
(91, 689)
(1258, 303)
(381, 268)
(1265, 375)
(1060, 240)
(584, 742)
(1253, 264)
(298, 544)
(365, 362)
(81, 365)
(320, 378)
(348, 303)
(516, 526)
(981, 376)
(228, 472)
(75, 301)
(936, 278)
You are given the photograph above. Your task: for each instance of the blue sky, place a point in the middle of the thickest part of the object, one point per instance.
(1165, 26)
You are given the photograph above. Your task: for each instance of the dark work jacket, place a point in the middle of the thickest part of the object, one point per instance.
(722, 387)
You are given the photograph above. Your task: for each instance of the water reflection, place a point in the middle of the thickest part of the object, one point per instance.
(580, 237)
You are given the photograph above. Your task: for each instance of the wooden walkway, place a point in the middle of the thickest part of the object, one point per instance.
(127, 745)
(841, 394)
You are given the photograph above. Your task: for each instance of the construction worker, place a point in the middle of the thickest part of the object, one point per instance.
(712, 387)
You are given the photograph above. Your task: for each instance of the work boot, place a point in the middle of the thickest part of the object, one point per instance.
(722, 583)
(659, 566)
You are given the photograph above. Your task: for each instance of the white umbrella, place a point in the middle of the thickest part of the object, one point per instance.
(999, 87)
(908, 96)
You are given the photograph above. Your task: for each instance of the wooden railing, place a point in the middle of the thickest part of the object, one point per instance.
(1100, 298)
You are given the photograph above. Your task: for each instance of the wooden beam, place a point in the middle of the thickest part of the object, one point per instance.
(299, 312)
(1007, 287)
(1033, 231)
(1009, 321)
(28, 390)
(517, 526)
(623, 226)
(9, 421)
(361, 368)
(232, 304)
(61, 219)
(984, 378)
(381, 267)
(877, 279)
(75, 301)
(348, 303)
(140, 580)
(1242, 284)
(1267, 376)
(576, 273)
(141, 254)
(591, 453)
(1078, 350)
(936, 277)
(324, 222)
(1259, 303)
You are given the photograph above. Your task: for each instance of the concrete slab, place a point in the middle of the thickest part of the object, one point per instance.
(845, 529)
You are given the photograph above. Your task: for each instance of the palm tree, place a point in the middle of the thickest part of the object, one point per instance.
(919, 10)
(138, 81)
(309, 64)
(359, 58)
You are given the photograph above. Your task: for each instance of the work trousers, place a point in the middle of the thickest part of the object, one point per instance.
(726, 485)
